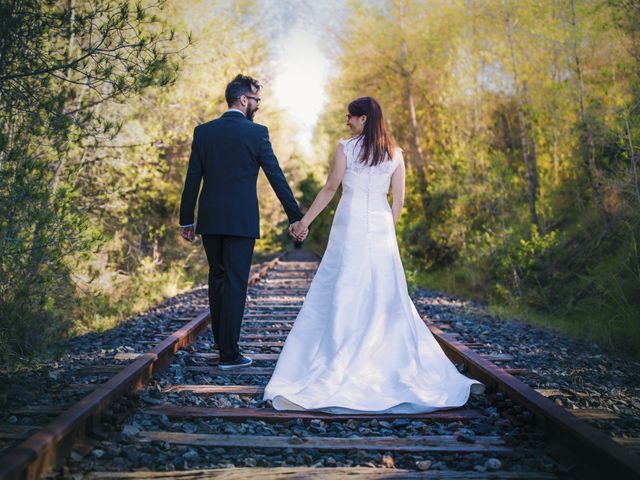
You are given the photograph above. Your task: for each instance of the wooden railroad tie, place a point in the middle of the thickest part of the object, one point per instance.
(324, 473)
(414, 443)
(270, 414)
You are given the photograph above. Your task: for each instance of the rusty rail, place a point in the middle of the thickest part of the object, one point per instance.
(570, 438)
(591, 453)
(38, 453)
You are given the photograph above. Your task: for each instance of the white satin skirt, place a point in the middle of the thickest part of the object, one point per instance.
(358, 344)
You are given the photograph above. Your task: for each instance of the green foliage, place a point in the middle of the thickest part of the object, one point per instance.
(571, 111)
(99, 101)
(150, 283)
(144, 259)
(60, 64)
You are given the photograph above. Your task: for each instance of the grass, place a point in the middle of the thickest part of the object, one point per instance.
(108, 307)
(618, 333)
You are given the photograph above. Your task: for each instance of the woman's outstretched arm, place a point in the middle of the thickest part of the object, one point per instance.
(397, 186)
(330, 188)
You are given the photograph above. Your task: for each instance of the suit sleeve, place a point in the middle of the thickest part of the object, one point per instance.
(272, 170)
(191, 184)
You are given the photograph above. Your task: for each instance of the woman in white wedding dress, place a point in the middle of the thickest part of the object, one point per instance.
(358, 344)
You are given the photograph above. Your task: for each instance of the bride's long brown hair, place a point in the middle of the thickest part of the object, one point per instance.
(376, 140)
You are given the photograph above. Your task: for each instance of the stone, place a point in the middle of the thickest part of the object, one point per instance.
(130, 430)
(387, 461)
(189, 428)
(191, 456)
(97, 453)
(465, 437)
(75, 456)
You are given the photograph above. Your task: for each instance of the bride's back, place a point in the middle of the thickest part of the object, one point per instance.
(362, 177)
(364, 207)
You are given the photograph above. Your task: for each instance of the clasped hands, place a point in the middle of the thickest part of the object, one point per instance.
(298, 231)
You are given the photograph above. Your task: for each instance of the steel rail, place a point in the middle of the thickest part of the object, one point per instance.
(37, 454)
(594, 454)
(569, 439)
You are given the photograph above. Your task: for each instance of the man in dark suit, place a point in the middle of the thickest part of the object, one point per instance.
(226, 155)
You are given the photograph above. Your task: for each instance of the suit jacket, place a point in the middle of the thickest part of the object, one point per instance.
(226, 154)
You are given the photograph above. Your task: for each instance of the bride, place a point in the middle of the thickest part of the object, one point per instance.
(358, 344)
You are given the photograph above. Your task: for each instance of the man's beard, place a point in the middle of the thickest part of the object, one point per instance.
(250, 113)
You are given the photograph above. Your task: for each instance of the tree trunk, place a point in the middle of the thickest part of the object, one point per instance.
(417, 158)
(590, 167)
(633, 159)
(476, 93)
(530, 163)
(556, 160)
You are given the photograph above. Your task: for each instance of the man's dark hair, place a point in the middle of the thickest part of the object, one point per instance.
(241, 85)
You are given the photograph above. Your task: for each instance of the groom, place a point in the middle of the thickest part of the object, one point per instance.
(226, 155)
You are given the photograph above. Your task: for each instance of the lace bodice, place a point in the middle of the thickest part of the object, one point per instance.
(364, 178)
(353, 149)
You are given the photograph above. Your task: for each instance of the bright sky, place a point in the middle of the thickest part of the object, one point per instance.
(299, 86)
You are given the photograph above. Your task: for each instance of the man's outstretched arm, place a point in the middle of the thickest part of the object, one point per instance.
(191, 185)
(271, 167)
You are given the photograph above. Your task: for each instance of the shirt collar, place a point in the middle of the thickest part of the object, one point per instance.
(235, 110)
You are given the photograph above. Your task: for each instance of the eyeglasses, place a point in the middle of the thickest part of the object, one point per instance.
(257, 99)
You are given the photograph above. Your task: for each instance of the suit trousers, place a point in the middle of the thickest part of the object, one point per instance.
(229, 259)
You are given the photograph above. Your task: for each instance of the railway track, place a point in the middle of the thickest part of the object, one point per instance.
(171, 413)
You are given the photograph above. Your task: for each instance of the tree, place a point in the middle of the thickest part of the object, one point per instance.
(60, 62)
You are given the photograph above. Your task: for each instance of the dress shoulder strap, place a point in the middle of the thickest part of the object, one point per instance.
(349, 146)
(395, 161)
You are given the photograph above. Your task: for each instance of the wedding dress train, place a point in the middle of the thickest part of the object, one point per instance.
(358, 344)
